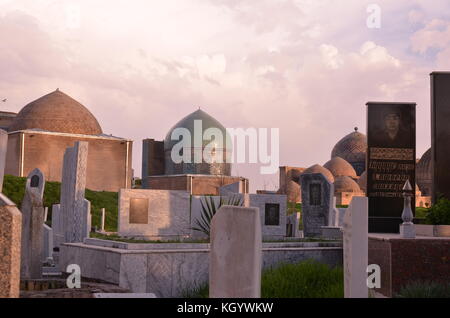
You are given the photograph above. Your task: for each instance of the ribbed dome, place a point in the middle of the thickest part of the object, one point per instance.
(352, 148)
(214, 167)
(423, 173)
(362, 181)
(339, 167)
(345, 184)
(57, 112)
(322, 170)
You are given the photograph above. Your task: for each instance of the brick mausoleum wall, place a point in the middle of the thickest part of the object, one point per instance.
(107, 159)
(404, 261)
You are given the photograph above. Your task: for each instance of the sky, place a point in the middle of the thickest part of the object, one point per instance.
(307, 67)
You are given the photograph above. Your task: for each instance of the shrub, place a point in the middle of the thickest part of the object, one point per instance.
(425, 290)
(439, 213)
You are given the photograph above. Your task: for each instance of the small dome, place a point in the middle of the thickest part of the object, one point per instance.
(352, 148)
(57, 112)
(322, 170)
(362, 181)
(339, 167)
(345, 184)
(423, 173)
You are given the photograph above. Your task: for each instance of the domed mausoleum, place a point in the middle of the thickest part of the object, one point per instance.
(163, 168)
(352, 148)
(42, 131)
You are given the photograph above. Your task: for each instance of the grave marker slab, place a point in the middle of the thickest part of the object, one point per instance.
(317, 200)
(440, 135)
(32, 226)
(10, 244)
(236, 253)
(355, 240)
(391, 160)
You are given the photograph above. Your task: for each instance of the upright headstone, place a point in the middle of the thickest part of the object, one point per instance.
(440, 135)
(236, 253)
(73, 210)
(47, 242)
(391, 160)
(356, 249)
(57, 226)
(32, 226)
(3, 149)
(10, 243)
(317, 200)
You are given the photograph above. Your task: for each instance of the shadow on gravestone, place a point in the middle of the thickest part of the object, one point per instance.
(236, 253)
(32, 226)
(10, 244)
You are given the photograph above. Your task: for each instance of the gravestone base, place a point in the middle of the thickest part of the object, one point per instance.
(384, 225)
(408, 230)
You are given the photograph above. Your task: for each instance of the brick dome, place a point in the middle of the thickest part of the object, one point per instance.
(345, 184)
(423, 173)
(57, 112)
(340, 167)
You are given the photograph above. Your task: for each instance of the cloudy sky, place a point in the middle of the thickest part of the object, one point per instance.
(305, 66)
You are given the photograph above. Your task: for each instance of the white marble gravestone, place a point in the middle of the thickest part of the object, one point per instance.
(355, 242)
(32, 226)
(236, 253)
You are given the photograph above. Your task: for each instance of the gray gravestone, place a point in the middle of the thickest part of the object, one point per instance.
(57, 225)
(74, 211)
(10, 244)
(317, 200)
(32, 226)
(3, 150)
(47, 242)
(440, 135)
(236, 253)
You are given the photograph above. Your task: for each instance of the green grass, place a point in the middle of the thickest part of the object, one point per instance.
(308, 279)
(425, 290)
(14, 189)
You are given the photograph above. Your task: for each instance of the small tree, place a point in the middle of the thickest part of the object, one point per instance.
(439, 213)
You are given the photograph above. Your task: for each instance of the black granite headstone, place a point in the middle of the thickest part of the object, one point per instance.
(391, 160)
(272, 214)
(440, 135)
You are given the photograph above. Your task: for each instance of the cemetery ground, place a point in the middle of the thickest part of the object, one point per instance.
(307, 279)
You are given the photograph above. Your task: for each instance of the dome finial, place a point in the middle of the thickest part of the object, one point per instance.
(356, 129)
